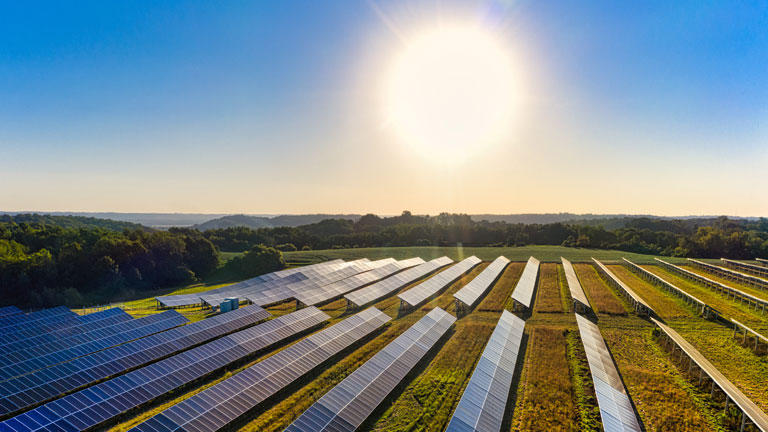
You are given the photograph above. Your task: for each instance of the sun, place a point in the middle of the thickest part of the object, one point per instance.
(451, 92)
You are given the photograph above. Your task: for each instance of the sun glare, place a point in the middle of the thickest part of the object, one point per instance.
(451, 92)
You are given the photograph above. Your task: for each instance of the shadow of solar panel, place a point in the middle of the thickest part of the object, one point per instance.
(346, 406)
(57, 317)
(482, 405)
(225, 402)
(523, 293)
(250, 286)
(42, 356)
(9, 311)
(470, 293)
(391, 284)
(46, 384)
(574, 286)
(95, 405)
(430, 287)
(332, 291)
(615, 406)
(26, 338)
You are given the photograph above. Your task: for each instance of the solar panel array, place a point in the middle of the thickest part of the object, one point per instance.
(574, 286)
(749, 268)
(616, 409)
(482, 405)
(344, 271)
(337, 289)
(220, 405)
(703, 308)
(751, 411)
(42, 356)
(430, 287)
(391, 284)
(731, 274)
(249, 286)
(640, 306)
(9, 311)
(762, 261)
(523, 293)
(737, 294)
(46, 384)
(26, 338)
(95, 405)
(470, 293)
(53, 318)
(346, 406)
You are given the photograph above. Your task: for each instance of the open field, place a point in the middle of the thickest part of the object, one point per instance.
(542, 253)
(552, 389)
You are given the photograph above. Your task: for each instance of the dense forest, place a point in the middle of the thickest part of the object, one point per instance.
(707, 238)
(44, 265)
(47, 261)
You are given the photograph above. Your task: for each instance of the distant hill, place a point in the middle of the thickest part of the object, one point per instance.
(609, 221)
(71, 221)
(270, 222)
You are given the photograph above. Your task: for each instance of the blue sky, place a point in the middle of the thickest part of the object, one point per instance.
(273, 107)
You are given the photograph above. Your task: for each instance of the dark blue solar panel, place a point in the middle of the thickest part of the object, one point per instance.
(218, 406)
(346, 406)
(93, 406)
(9, 311)
(58, 316)
(46, 384)
(32, 337)
(43, 356)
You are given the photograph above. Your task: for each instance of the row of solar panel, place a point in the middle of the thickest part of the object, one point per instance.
(731, 274)
(470, 293)
(32, 359)
(24, 339)
(95, 405)
(48, 318)
(393, 283)
(285, 292)
(523, 293)
(430, 287)
(225, 402)
(237, 290)
(35, 346)
(46, 384)
(346, 406)
(9, 311)
(482, 405)
(574, 286)
(329, 292)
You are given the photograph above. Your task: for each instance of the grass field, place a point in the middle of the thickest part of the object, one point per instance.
(553, 388)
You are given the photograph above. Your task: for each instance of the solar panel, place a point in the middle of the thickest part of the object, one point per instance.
(286, 292)
(523, 293)
(46, 384)
(430, 287)
(337, 289)
(482, 405)
(346, 406)
(42, 356)
(220, 405)
(95, 405)
(574, 286)
(393, 283)
(616, 409)
(470, 293)
(640, 306)
(54, 317)
(9, 311)
(26, 338)
(757, 270)
(731, 274)
(181, 300)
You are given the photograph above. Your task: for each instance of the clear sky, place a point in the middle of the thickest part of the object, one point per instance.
(276, 107)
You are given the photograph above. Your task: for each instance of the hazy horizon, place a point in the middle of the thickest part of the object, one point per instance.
(268, 108)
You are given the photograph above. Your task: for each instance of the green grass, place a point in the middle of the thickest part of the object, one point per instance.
(543, 253)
